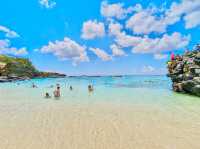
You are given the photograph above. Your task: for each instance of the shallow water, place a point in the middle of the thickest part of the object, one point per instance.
(129, 111)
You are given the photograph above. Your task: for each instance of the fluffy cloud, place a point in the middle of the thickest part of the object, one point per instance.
(145, 44)
(101, 54)
(147, 20)
(9, 33)
(67, 49)
(159, 56)
(148, 69)
(47, 3)
(188, 9)
(117, 51)
(5, 48)
(165, 43)
(144, 22)
(116, 10)
(92, 29)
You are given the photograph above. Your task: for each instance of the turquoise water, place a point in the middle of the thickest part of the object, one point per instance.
(154, 90)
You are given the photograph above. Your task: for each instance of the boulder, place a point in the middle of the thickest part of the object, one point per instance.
(184, 72)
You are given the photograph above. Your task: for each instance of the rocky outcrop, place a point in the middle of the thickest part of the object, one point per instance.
(184, 72)
(14, 69)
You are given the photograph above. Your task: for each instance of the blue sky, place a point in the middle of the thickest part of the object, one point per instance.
(98, 37)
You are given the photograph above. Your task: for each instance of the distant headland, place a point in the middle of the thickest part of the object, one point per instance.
(184, 72)
(15, 69)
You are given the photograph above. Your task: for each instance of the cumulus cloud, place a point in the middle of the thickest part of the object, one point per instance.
(9, 33)
(159, 56)
(188, 9)
(144, 22)
(115, 10)
(148, 69)
(92, 29)
(5, 48)
(66, 50)
(140, 44)
(147, 20)
(47, 3)
(151, 70)
(165, 43)
(101, 54)
(117, 51)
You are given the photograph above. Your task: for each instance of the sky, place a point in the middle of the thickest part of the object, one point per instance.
(99, 37)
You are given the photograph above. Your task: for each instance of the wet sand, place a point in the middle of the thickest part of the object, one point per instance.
(60, 125)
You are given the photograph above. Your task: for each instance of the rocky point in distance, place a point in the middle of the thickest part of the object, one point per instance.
(15, 69)
(184, 72)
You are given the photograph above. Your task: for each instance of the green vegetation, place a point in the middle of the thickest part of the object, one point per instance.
(21, 67)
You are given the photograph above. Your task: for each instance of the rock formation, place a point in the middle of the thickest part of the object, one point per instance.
(13, 69)
(184, 72)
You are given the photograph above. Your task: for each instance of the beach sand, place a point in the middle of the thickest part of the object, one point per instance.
(55, 124)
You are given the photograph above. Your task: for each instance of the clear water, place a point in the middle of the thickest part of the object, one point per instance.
(155, 90)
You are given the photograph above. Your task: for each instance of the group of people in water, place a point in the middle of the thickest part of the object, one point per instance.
(57, 92)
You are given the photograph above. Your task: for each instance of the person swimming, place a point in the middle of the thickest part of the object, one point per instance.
(90, 88)
(47, 95)
(71, 88)
(57, 92)
(33, 85)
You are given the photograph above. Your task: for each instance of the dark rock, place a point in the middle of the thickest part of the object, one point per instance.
(184, 72)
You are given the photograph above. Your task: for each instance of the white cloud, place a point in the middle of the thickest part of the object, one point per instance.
(144, 22)
(145, 44)
(159, 56)
(115, 29)
(188, 9)
(67, 50)
(5, 48)
(192, 20)
(116, 10)
(165, 43)
(117, 51)
(148, 69)
(151, 70)
(47, 3)
(9, 33)
(92, 29)
(101, 54)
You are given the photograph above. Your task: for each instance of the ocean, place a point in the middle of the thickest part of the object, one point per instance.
(122, 112)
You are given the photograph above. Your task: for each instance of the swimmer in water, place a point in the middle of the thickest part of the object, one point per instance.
(90, 88)
(47, 95)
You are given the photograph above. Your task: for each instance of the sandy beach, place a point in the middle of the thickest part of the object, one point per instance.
(61, 125)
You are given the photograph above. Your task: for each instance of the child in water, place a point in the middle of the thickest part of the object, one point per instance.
(90, 88)
(47, 95)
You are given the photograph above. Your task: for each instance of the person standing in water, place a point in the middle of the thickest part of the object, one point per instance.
(71, 88)
(57, 92)
(90, 88)
(34, 86)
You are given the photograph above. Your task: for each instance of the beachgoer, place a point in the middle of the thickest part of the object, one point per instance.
(90, 88)
(172, 56)
(71, 88)
(34, 86)
(57, 92)
(47, 95)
